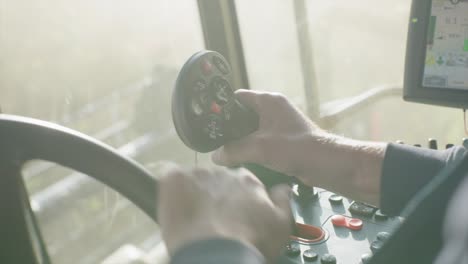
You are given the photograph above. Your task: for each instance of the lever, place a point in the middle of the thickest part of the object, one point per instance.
(432, 143)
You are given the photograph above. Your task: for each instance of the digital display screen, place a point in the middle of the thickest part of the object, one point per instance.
(446, 62)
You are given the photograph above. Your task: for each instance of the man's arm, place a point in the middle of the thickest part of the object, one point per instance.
(387, 175)
(346, 166)
(288, 142)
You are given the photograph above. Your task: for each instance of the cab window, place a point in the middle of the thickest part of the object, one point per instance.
(107, 69)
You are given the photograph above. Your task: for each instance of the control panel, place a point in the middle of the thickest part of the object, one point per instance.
(331, 228)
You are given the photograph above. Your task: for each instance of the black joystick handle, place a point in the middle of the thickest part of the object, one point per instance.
(205, 111)
(207, 114)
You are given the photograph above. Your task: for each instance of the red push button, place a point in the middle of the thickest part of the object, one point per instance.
(215, 108)
(307, 233)
(206, 67)
(348, 222)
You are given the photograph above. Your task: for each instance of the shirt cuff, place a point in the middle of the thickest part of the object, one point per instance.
(215, 251)
(406, 169)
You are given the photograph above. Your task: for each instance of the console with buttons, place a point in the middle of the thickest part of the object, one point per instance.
(350, 231)
(329, 228)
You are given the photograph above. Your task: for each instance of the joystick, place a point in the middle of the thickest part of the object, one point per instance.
(205, 112)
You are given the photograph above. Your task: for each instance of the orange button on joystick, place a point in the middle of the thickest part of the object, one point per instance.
(348, 222)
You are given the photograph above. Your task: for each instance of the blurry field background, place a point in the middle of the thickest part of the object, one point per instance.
(107, 68)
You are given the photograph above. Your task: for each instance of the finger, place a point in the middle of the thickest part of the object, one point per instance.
(201, 173)
(248, 98)
(165, 170)
(204, 179)
(262, 102)
(250, 178)
(279, 195)
(237, 152)
(170, 176)
(162, 171)
(171, 180)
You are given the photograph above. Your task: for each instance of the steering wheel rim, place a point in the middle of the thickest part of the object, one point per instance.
(24, 139)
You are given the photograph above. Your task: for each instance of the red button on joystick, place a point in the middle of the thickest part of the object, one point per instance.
(348, 222)
(215, 108)
(206, 67)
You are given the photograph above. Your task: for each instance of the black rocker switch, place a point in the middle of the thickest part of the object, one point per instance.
(432, 143)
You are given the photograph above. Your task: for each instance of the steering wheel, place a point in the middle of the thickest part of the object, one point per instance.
(23, 139)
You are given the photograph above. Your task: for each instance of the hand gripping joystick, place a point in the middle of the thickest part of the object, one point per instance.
(206, 113)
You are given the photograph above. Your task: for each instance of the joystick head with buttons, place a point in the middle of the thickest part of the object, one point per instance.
(205, 112)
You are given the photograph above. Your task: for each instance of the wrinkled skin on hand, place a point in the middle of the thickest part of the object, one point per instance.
(198, 203)
(276, 143)
(289, 142)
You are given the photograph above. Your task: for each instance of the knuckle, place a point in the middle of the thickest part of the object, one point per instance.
(174, 175)
(253, 181)
(280, 98)
(201, 173)
(249, 178)
(265, 97)
(170, 178)
(272, 99)
(277, 95)
(244, 172)
(224, 170)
